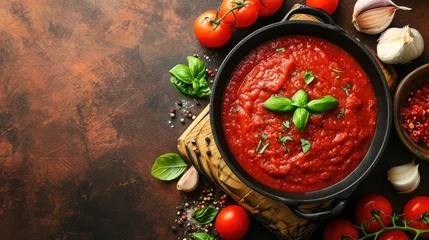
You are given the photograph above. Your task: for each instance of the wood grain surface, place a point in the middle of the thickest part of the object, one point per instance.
(84, 102)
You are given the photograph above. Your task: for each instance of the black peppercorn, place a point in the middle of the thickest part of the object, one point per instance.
(179, 103)
(174, 229)
(209, 153)
(207, 139)
(197, 152)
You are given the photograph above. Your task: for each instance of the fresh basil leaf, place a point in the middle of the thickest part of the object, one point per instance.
(168, 166)
(181, 86)
(300, 118)
(204, 89)
(286, 123)
(305, 145)
(205, 215)
(182, 72)
(341, 113)
(336, 70)
(197, 67)
(323, 104)
(203, 236)
(309, 77)
(300, 98)
(277, 103)
(285, 138)
(280, 49)
(195, 87)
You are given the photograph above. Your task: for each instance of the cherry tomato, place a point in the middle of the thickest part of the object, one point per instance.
(394, 235)
(211, 33)
(269, 7)
(244, 16)
(373, 202)
(414, 209)
(339, 229)
(232, 222)
(328, 5)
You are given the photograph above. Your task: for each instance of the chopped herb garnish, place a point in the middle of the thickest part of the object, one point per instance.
(308, 77)
(280, 49)
(286, 123)
(294, 73)
(337, 77)
(263, 137)
(265, 147)
(346, 89)
(236, 109)
(285, 138)
(337, 71)
(341, 114)
(305, 145)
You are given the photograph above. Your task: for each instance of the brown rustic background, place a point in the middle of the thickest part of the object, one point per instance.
(84, 102)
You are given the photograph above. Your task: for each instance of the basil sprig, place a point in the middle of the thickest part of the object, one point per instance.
(203, 236)
(205, 215)
(191, 80)
(168, 166)
(299, 103)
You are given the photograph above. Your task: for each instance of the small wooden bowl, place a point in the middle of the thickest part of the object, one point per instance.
(411, 81)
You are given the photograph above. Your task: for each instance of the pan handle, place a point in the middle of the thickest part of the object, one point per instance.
(320, 14)
(336, 208)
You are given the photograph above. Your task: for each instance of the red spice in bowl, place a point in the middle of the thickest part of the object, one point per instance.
(415, 113)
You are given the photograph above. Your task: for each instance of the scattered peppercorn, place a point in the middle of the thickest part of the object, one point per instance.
(207, 140)
(186, 204)
(182, 120)
(212, 75)
(223, 202)
(174, 229)
(184, 217)
(209, 153)
(179, 103)
(211, 81)
(179, 213)
(193, 141)
(173, 110)
(210, 72)
(194, 117)
(172, 115)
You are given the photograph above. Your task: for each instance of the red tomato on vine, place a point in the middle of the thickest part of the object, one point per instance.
(211, 32)
(394, 235)
(369, 204)
(415, 209)
(240, 13)
(328, 5)
(269, 7)
(339, 229)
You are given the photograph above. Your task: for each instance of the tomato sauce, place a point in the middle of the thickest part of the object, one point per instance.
(339, 138)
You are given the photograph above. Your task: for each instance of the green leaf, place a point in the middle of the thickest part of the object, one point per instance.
(323, 104)
(204, 89)
(197, 67)
(203, 236)
(280, 49)
(277, 103)
(309, 77)
(168, 166)
(294, 73)
(182, 72)
(195, 87)
(300, 98)
(286, 123)
(346, 89)
(336, 70)
(300, 118)
(337, 77)
(341, 113)
(305, 145)
(205, 215)
(181, 86)
(264, 147)
(285, 138)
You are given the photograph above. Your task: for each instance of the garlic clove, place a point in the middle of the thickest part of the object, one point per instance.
(374, 16)
(404, 178)
(189, 181)
(375, 20)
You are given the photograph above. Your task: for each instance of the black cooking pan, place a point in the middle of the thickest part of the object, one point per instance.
(331, 32)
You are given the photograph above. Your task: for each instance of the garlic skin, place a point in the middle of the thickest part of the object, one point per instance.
(189, 181)
(404, 178)
(374, 16)
(400, 45)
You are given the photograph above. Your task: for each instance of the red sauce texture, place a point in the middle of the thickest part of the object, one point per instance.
(339, 138)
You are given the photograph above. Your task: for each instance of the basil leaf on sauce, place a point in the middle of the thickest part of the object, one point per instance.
(300, 98)
(196, 67)
(281, 104)
(300, 118)
(305, 145)
(203, 236)
(341, 113)
(336, 70)
(285, 138)
(286, 123)
(264, 147)
(205, 215)
(182, 72)
(323, 104)
(309, 77)
(280, 49)
(168, 166)
(346, 89)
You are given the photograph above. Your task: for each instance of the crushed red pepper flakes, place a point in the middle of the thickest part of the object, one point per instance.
(415, 113)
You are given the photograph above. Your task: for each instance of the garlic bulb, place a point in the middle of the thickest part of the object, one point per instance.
(189, 181)
(404, 178)
(400, 45)
(374, 16)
